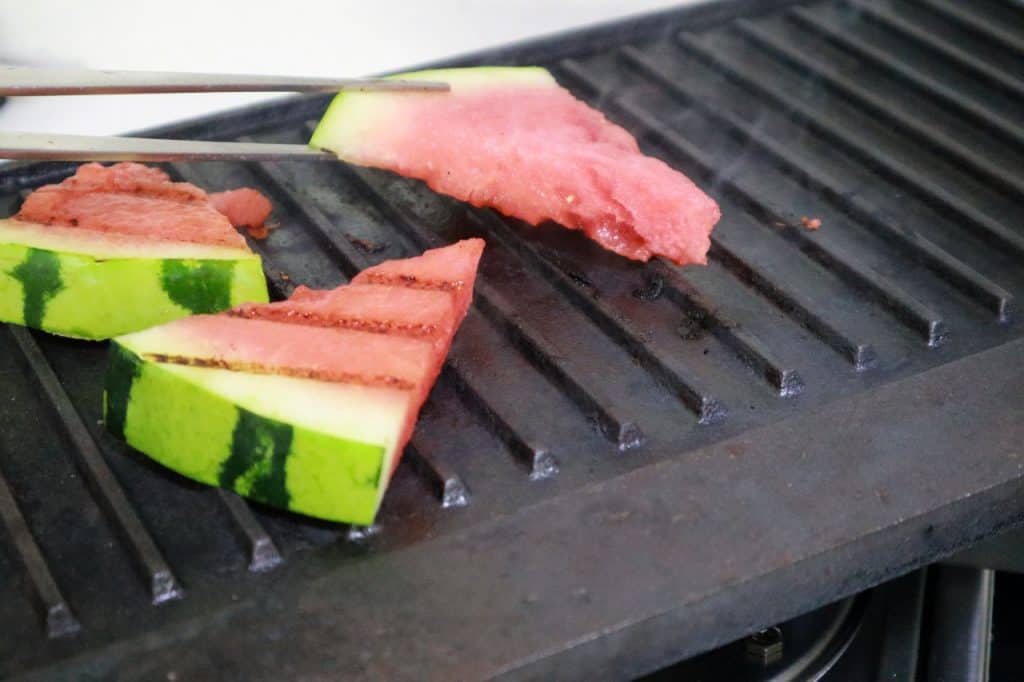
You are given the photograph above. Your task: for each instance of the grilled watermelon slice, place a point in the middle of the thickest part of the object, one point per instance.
(513, 139)
(304, 404)
(116, 249)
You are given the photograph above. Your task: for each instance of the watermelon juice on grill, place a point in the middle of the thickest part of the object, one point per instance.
(513, 139)
(120, 248)
(305, 404)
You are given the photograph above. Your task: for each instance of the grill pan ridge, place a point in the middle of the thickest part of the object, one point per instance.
(621, 464)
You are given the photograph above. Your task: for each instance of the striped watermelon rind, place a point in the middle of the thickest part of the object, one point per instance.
(311, 447)
(69, 284)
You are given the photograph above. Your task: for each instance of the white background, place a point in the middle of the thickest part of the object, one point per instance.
(288, 37)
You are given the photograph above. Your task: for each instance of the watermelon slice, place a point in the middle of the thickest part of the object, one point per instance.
(513, 139)
(116, 249)
(305, 404)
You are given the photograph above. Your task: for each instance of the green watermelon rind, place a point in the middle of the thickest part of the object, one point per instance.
(352, 117)
(180, 417)
(84, 296)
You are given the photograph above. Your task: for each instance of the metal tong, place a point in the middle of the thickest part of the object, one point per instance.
(20, 81)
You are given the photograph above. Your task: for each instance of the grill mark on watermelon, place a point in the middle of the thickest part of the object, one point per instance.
(131, 200)
(198, 286)
(307, 319)
(369, 380)
(413, 282)
(40, 279)
(259, 453)
(123, 370)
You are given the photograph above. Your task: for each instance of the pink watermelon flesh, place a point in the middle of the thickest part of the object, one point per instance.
(393, 335)
(131, 202)
(323, 353)
(129, 178)
(451, 269)
(380, 309)
(538, 154)
(244, 207)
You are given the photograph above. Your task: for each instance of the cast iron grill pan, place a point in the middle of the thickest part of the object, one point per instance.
(621, 465)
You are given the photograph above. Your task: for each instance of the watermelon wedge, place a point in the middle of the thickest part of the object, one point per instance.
(304, 404)
(116, 249)
(514, 140)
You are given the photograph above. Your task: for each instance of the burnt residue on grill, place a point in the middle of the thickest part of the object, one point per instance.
(365, 244)
(651, 289)
(695, 324)
(582, 281)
